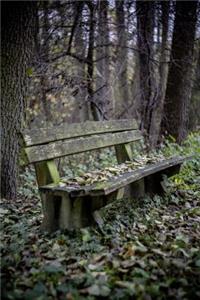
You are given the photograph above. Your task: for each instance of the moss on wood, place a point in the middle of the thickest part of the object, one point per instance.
(67, 131)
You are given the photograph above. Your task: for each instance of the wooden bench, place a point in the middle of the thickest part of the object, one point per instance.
(67, 207)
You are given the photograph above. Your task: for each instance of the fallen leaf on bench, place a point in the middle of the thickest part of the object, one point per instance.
(93, 177)
(80, 180)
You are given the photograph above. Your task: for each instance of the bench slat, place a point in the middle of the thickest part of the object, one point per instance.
(130, 177)
(67, 131)
(105, 188)
(78, 145)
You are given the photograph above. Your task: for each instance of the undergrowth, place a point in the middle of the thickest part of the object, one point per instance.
(145, 249)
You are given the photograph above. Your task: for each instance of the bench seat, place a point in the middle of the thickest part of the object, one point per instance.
(118, 181)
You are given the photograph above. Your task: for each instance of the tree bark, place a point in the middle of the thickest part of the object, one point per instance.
(102, 94)
(163, 71)
(95, 110)
(179, 84)
(80, 50)
(121, 57)
(194, 113)
(145, 27)
(18, 39)
(44, 49)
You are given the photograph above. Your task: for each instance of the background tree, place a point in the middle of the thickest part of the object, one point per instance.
(94, 58)
(163, 56)
(18, 38)
(44, 41)
(180, 78)
(121, 58)
(195, 101)
(95, 111)
(102, 92)
(145, 35)
(80, 48)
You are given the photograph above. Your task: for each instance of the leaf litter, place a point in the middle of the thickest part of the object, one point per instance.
(88, 178)
(144, 249)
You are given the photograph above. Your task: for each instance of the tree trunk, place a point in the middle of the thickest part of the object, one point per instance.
(18, 38)
(121, 58)
(145, 27)
(81, 104)
(102, 94)
(44, 49)
(194, 113)
(95, 110)
(163, 71)
(179, 84)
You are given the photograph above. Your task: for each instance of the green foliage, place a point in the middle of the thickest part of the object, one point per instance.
(27, 184)
(189, 178)
(29, 71)
(191, 146)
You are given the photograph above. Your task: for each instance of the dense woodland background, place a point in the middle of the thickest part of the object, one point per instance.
(73, 61)
(110, 59)
(96, 60)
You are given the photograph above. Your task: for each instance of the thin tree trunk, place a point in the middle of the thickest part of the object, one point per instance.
(102, 55)
(145, 22)
(194, 113)
(44, 49)
(163, 71)
(80, 50)
(95, 110)
(121, 57)
(18, 38)
(179, 84)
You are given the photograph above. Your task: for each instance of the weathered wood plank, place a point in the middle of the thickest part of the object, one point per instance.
(51, 210)
(135, 175)
(123, 153)
(105, 188)
(47, 172)
(67, 131)
(65, 216)
(73, 146)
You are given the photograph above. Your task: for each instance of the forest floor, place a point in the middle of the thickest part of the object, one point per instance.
(146, 249)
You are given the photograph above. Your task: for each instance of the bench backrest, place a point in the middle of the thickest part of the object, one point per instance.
(46, 144)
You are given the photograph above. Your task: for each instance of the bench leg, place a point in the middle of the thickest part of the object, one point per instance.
(137, 189)
(116, 195)
(62, 212)
(153, 183)
(76, 212)
(57, 212)
(65, 212)
(51, 208)
(72, 212)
